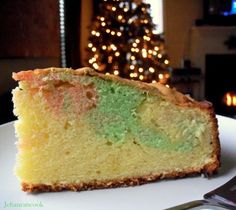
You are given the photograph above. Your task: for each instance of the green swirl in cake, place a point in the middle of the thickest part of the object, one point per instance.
(117, 117)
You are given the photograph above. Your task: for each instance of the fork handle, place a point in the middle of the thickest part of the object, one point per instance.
(225, 194)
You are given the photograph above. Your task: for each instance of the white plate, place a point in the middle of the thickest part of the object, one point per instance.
(159, 195)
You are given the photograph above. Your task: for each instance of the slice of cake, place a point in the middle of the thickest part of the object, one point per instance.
(80, 130)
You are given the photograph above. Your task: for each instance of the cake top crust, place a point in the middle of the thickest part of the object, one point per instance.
(153, 88)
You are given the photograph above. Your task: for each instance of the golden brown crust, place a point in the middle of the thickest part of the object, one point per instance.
(215, 141)
(207, 170)
(157, 88)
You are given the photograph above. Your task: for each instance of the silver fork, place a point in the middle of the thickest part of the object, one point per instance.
(221, 198)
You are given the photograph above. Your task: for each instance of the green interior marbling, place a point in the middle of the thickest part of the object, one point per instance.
(116, 118)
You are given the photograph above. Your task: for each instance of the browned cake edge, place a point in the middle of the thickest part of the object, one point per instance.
(206, 170)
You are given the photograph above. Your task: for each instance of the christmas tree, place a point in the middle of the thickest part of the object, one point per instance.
(122, 42)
